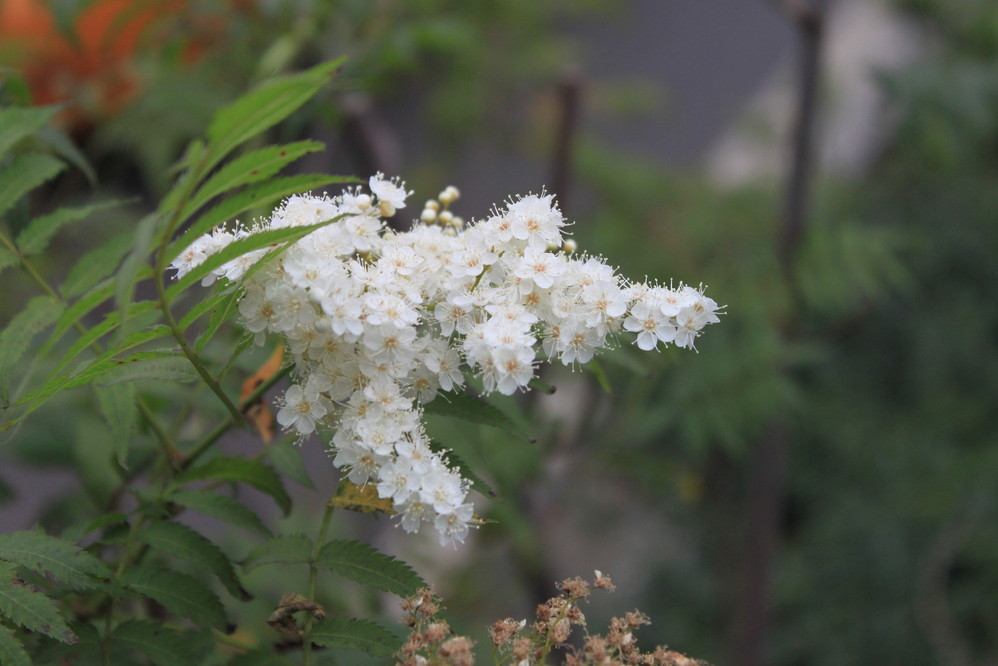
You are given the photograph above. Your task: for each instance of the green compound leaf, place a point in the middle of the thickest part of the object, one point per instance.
(118, 405)
(264, 195)
(252, 167)
(178, 593)
(241, 470)
(23, 174)
(17, 122)
(474, 410)
(11, 651)
(220, 507)
(163, 646)
(285, 549)
(96, 265)
(262, 108)
(363, 564)
(35, 237)
(183, 542)
(29, 609)
(362, 635)
(40, 312)
(54, 557)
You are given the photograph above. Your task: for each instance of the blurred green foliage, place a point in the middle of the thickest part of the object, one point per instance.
(888, 386)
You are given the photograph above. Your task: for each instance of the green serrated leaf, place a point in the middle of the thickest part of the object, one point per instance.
(221, 507)
(183, 542)
(55, 557)
(221, 313)
(32, 610)
(474, 410)
(86, 650)
(23, 174)
(128, 273)
(169, 369)
(178, 593)
(78, 531)
(84, 374)
(35, 237)
(252, 167)
(262, 195)
(204, 307)
(163, 646)
(363, 564)
(262, 108)
(250, 472)
(40, 312)
(96, 265)
(287, 458)
(362, 635)
(285, 549)
(8, 258)
(118, 405)
(17, 122)
(11, 650)
(86, 304)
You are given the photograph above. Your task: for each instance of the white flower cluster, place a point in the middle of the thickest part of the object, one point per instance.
(378, 321)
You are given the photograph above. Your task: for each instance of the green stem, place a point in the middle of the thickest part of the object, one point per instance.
(313, 577)
(234, 413)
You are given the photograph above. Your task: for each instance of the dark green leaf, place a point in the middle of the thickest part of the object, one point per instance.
(163, 646)
(55, 557)
(96, 265)
(365, 565)
(250, 168)
(251, 472)
(11, 651)
(40, 312)
(262, 108)
(17, 122)
(118, 405)
(262, 195)
(287, 458)
(222, 507)
(23, 174)
(29, 609)
(361, 635)
(474, 410)
(183, 542)
(286, 549)
(35, 237)
(178, 593)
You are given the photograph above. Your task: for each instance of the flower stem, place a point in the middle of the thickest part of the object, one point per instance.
(313, 576)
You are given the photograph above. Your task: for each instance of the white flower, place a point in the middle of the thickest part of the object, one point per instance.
(650, 325)
(301, 410)
(377, 322)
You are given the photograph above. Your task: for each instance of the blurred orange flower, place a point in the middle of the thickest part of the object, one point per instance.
(92, 71)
